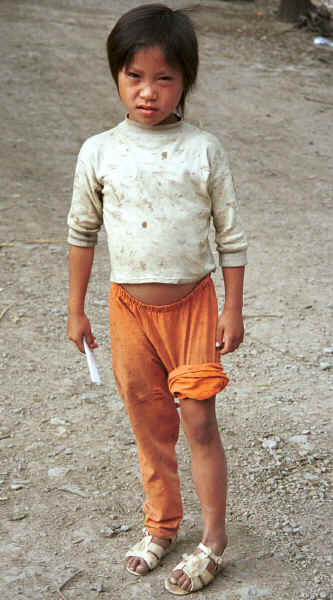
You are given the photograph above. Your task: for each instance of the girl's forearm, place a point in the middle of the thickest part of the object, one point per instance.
(80, 265)
(233, 285)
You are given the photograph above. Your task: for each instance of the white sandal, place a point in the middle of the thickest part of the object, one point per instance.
(195, 567)
(150, 552)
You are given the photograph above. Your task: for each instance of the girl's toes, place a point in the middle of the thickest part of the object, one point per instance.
(141, 568)
(131, 563)
(181, 579)
(185, 583)
(174, 577)
(137, 565)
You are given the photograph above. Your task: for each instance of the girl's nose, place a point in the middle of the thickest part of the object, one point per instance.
(148, 92)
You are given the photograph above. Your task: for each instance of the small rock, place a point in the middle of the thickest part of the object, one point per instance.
(271, 443)
(287, 530)
(324, 366)
(4, 433)
(16, 486)
(18, 516)
(61, 431)
(301, 440)
(57, 472)
(57, 421)
(108, 532)
(90, 397)
(310, 477)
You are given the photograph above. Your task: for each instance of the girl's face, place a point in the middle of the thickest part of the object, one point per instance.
(150, 88)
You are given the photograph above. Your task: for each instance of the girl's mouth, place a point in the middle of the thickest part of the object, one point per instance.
(147, 109)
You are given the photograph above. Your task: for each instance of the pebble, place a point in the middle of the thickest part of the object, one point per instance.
(16, 486)
(271, 443)
(61, 431)
(301, 440)
(57, 421)
(90, 397)
(111, 531)
(57, 472)
(4, 433)
(328, 350)
(99, 588)
(107, 532)
(324, 366)
(18, 516)
(310, 477)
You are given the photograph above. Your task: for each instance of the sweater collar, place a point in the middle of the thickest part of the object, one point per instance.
(134, 125)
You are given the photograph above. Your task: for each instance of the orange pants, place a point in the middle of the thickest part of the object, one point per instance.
(160, 353)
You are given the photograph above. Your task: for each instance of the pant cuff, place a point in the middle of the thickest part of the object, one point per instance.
(198, 382)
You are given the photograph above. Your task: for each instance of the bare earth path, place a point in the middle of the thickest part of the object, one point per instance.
(70, 496)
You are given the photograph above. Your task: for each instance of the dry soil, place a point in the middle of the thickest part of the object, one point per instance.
(70, 494)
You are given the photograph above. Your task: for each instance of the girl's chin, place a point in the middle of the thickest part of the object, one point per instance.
(151, 117)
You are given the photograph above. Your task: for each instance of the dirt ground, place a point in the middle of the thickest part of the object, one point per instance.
(70, 494)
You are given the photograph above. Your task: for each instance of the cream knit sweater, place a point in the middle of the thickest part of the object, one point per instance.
(156, 190)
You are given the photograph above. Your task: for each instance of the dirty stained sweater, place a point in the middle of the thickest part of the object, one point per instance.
(157, 189)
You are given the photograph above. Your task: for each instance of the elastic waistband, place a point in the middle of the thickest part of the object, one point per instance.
(119, 292)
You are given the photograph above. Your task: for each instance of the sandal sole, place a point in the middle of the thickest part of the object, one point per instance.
(173, 588)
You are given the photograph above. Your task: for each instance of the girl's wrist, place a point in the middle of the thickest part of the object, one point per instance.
(234, 307)
(75, 309)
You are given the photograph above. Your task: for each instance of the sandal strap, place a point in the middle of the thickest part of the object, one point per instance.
(195, 566)
(209, 552)
(150, 552)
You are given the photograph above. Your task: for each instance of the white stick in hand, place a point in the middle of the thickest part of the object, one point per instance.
(94, 375)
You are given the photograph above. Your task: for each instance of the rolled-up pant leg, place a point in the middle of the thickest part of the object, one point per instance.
(142, 383)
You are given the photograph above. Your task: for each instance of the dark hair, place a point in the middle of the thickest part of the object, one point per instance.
(155, 25)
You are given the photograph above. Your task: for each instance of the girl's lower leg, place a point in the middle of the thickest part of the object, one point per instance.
(209, 472)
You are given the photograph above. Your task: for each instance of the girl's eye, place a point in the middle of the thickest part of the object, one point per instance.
(166, 78)
(132, 75)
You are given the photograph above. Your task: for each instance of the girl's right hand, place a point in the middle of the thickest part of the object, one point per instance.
(78, 327)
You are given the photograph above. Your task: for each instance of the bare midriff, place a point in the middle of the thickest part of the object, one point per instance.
(158, 293)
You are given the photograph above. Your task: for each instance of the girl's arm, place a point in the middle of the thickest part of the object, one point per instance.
(80, 265)
(230, 328)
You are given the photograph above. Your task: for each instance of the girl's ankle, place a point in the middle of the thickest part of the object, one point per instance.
(217, 545)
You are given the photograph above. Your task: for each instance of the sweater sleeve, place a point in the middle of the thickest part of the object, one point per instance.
(230, 238)
(85, 217)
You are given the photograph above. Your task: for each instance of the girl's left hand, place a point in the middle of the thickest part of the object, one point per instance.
(230, 330)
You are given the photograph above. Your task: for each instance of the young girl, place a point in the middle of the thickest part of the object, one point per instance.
(155, 182)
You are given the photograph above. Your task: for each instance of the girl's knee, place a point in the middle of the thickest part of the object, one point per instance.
(200, 426)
